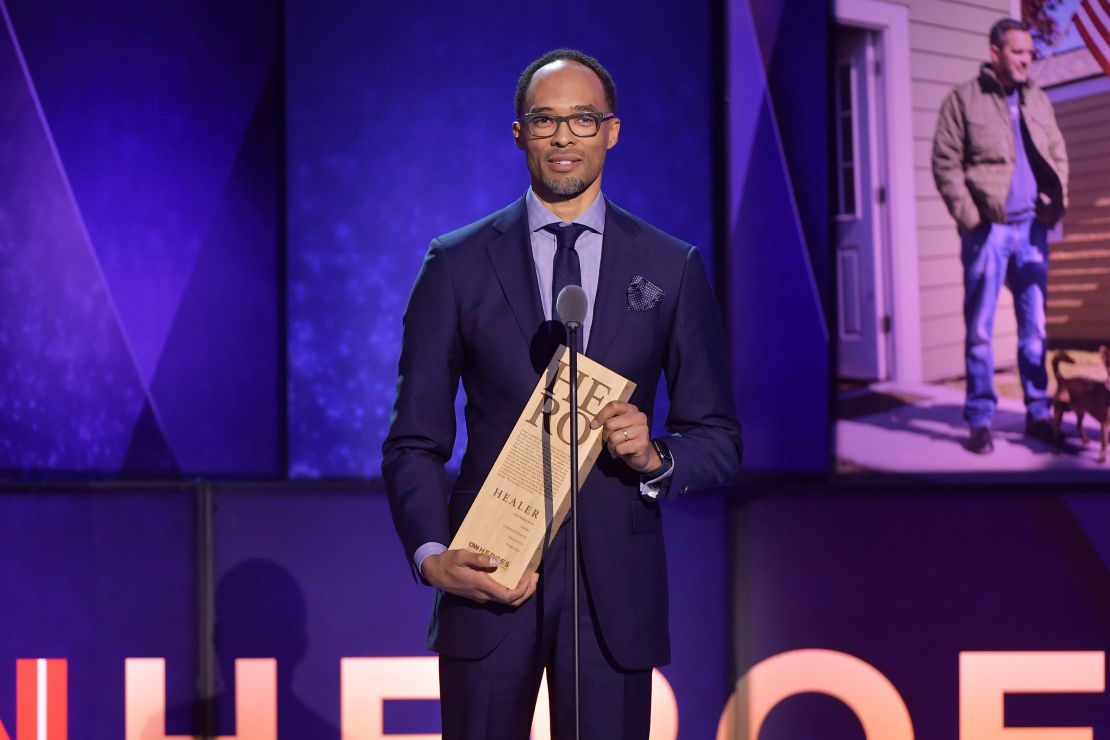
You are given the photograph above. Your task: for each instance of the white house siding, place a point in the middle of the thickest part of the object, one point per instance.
(948, 42)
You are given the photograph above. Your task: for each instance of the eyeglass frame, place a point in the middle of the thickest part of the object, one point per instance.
(559, 120)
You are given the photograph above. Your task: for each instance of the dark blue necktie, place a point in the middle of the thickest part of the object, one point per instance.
(566, 269)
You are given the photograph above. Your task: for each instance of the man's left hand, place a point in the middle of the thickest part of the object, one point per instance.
(626, 435)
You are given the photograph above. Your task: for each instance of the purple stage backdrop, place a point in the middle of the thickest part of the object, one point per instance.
(139, 245)
(210, 218)
(885, 603)
(309, 579)
(394, 139)
(214, 215)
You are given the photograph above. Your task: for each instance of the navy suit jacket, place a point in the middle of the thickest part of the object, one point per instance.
(475, 315)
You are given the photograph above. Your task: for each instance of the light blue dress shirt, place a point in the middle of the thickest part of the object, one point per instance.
(588, 246)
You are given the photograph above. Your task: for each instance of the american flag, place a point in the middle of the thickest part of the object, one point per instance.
(1092, 20)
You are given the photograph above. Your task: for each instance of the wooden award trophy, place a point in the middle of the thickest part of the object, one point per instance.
(527, 492)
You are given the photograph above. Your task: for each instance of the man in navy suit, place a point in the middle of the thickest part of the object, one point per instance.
(481, 312)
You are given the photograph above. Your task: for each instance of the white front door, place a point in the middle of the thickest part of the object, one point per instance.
(858, 206)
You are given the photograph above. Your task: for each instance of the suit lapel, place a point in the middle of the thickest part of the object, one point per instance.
(511, 256)
(618, 266)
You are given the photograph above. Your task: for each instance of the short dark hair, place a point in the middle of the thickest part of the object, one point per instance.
(572, 55)
(1004, 26)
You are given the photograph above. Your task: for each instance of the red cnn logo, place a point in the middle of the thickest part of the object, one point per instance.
(40, 700)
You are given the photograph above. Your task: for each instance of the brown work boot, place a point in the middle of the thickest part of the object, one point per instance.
(1040, 430)
(980, 441)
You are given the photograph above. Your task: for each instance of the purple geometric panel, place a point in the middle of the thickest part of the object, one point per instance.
(147, 103)
(776, 320)
(69, 391)
(780, 342)
(1092, 515)
(793, 36)
(217, 383)
(162, 126)
(149, 452)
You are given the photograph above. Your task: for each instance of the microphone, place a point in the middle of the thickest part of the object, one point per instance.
(572, 305)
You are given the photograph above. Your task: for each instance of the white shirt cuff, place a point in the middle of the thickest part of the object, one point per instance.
(650, 489)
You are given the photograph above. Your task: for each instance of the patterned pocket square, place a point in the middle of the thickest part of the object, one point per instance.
(643, 295)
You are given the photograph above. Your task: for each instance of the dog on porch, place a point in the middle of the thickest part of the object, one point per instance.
(1083, 396)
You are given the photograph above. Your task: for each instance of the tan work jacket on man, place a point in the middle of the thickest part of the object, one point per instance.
(973, 152)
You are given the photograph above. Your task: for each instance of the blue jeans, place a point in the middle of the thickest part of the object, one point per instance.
(1017, 255)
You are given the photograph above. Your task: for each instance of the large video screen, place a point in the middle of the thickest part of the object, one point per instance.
(971, 307)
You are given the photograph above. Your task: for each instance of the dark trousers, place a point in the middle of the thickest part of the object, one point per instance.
(495, 697)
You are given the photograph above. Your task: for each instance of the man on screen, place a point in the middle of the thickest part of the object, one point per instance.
(481, 311)
(1000, 165)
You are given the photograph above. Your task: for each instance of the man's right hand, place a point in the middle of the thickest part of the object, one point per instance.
(466, 574)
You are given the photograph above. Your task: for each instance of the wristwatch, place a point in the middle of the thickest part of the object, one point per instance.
(665, 458)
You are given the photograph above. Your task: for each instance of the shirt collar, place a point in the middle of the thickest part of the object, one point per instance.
(539, 217)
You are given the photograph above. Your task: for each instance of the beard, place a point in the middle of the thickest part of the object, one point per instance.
(566, 186)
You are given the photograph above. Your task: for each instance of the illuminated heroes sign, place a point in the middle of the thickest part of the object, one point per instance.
(985, 679)
(367, 683)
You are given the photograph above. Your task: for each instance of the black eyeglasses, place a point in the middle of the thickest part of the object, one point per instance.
(544, 125)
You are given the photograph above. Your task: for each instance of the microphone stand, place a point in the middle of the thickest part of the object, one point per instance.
(572, 340)
(572, 306)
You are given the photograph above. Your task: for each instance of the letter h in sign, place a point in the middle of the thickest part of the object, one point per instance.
(255, 700)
